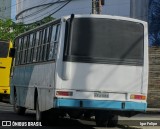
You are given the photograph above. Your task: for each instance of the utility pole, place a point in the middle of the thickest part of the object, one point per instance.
(96, 6)
(99, 6)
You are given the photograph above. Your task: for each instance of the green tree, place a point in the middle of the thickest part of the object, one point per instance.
(9, 29)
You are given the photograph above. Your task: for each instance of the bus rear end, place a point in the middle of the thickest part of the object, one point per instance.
(5, 65)
(103, 66)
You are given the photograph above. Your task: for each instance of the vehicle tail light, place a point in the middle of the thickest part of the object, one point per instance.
(138, 97)
(64, 93)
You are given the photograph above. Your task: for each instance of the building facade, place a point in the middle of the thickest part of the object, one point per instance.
(5, 9)
(139, 9)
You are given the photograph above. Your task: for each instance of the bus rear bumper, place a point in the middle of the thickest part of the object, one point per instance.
(101, 104)
(4, 93)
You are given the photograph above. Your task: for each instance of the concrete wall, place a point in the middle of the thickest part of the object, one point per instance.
(154, 78)
(139, 9)
(5, 9)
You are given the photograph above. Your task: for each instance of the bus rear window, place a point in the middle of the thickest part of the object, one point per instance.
(101, 40)
(4, 46)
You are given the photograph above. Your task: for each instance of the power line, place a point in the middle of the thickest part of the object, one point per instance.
(12, 6)
(41, 4)
(58, 1)
(49, 4)
(35, 12)
(59, 8)
(17, 4)
(54, 9)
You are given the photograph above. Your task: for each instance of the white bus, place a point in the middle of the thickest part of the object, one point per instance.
(82, 64)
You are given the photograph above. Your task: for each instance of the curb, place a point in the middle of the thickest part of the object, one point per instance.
(152, 111)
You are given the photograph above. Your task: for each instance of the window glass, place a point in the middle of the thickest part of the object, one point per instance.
(37, 38)
(34, 39)
(21, 42)
(45, 35)
(25, 49)
(40, 37)
(50, 34)
(53, 34)
(28, 41)
(4, 49)
(31, 40)
(21, 51)
(57, 32)
(25, 42)
(36, 45)
(51, 52)
(107, 41)
(17, 52)
(47, 51)
(18, 44)
(29, 48)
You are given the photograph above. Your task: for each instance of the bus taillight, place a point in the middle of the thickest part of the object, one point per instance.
(138, 97)
(64, 93)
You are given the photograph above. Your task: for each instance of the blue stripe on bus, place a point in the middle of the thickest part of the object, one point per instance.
(103, 104)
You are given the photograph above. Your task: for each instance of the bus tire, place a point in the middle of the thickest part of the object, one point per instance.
(75, 114)
(1, 98)
(113, 121)
(18, 109)
(101, 118)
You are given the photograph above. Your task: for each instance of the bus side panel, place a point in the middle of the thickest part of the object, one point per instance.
(43, 78)
(18, 86)
(31, 78)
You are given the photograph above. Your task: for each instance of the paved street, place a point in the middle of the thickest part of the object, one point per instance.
(6, 113)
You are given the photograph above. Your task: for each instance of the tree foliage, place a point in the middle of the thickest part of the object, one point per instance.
(9, 29)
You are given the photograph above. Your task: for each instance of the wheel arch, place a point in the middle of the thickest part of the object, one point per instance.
(35, 97)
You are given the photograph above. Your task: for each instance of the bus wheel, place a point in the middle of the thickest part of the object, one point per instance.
(1, 98)
(19, 110)
(113, 121)
(38, 112)
(101, 119)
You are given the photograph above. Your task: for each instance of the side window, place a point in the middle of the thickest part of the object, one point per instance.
(54, 42)
(39, 48)
(48, 42)
(51, 51)
(29, 48)
(41, 45)
(36, 46)
(32, 47)
(53, 34)
(50, 34)
(21, 50)
(17, 51)
(45, 42)
(57, 33)
(45, 35)
(25, 49)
